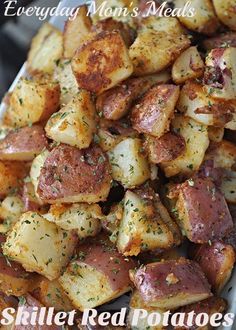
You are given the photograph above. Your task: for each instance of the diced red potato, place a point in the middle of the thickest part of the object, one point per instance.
(210, 306)
(72, 175)
(223, 155)
(30, 200)
(227, 39)
(99, 275)
(23, 144)
(226, 12)
(153, 113)
(230, 238)
(217, 261)
(168, 147)
(203, 214)
(171, 284)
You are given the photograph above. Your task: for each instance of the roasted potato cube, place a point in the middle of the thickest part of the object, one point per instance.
(116, 102)
(171, 284)
(203, 213)
(82, 218)
(168, 147)
(216, 134)
(159, 42)
(210, 306)
(76, 31)
(100, 275)
(23, 144)
(217, 261)
(224, 40)
(203, 19)
(223, 155)
(46, 49)
(196, 141)
(31, 102)
(225, 10)
(68, 84)
(188, 65)
(136, 303)
(228, 187)
(70, 175)
(196, 103)
(220, 73)
(153, 113)
(10, 211)
(102, 62)
(141, 227)
(129, 165)
(75, 123)
(27, 241)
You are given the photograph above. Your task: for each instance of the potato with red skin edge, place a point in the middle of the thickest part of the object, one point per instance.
(203, 214)
(99, 275)
(168, 147)
(227, 39)
(71, 175)
(153, 113)
(30, 200)
(217, 261)
(223, 154)
(23, 144)
(102, 62)
(230, 238)
(226, 12)
(171, 284)
(209, 306)
(77, 30)
(116, 102)
(14, 280)
(32, 101)
(29, 302)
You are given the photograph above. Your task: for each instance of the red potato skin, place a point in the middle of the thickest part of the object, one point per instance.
(68, 171)
(151, 281)
(107, 260)
(231, 236)
(168, 147)
(225, 40)
(150, 109)
(207, 211)
(29, 199)
(216, 260)
(26, 139)
(29, 304)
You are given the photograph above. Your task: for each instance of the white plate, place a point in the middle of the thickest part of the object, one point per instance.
(228, 293)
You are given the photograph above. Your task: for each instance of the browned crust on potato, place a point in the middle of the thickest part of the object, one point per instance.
(224, 40)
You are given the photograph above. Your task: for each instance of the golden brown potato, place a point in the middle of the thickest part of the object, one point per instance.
(159, 42)
(225, 10)
(171, 284)
(102, 62)
(75, 123)
(76, 31)
(204, 19)
(31, 102)
(216, 134)
(188, 65)
(153, 113)
(116, 102)
(223, 155)
(11, 209)
(217, 261)
(70, 175)
(23, 144)
(46, 49)
(232, 124)
(203, 214)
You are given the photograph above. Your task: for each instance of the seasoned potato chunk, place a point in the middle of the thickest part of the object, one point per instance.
(102, 62)
(153, 113)
(217, 261)
(10, 211)
(82, 218)
(220, 74)
(223, 155)
(203, 213)
(23, 144)
(171, 284)
(31, 102)
(129, 165)
(216, 134)
(196, 141)
(99, 275)
(158, 44)
(46, 49)
(225, 10)
(70, 175)
(75, 123)
(188, 65)
(76, 31)
(204, 19)
(227, 39)
(141, 227)
(27, 241)
(30, 201)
